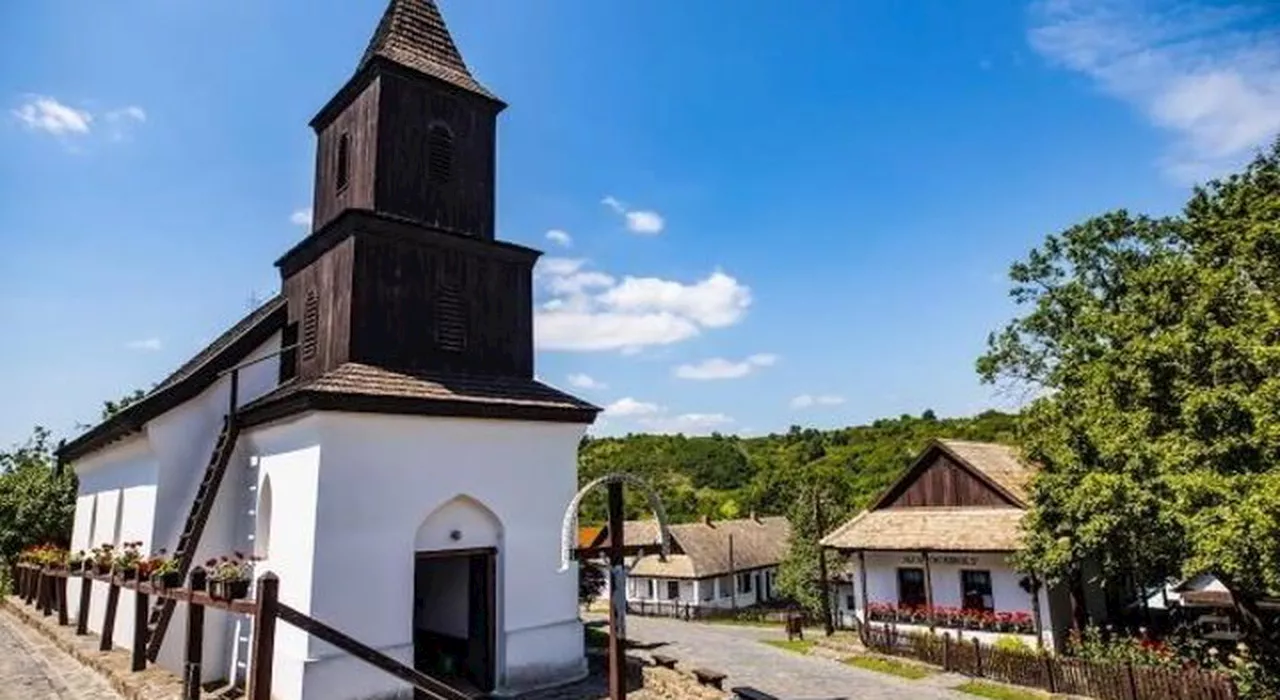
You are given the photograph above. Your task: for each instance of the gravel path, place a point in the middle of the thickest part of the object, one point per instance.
(740, 653)
(32, 668)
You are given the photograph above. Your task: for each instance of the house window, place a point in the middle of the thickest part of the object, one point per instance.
(975, 591)
(911, 588)
(726, 586)
(344, 162)
(653, 589)
(744, 582)
(439, 154)
(673, 590)
(849, 603)
(310, 324)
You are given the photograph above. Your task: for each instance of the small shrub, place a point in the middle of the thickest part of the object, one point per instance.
(1013, 644)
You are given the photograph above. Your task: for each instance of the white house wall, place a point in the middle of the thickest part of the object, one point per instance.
(380, 478)
(638, 590)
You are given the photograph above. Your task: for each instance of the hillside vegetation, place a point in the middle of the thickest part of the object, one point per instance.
(727, 476)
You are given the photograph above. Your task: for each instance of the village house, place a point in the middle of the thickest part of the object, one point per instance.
(714, 564)
(374, 433)
(932, 552)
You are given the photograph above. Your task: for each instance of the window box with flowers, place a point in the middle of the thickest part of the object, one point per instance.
(955, 618)
(229, 577)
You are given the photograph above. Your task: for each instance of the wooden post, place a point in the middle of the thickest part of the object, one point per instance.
(140, 610)
(1035, 611)
(60, 595)
(977, 658)
(617, 602)
(862, 588)
(264, 637)
(234, 396)
(191, 669)
(1133, 682)
(928, 586)
(1052, 683)
(733, 578)
(82, 614)
(824, 584)
(946, 651)
(109, 617)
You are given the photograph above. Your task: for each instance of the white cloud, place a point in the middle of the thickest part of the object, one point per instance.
(645, 222)
(631, 407)
(688, 423)
(1208, 75)
(130, 113)
(720, 368)
(560, 238)
(584, 381)
(148, 344)
(592, 311)
(301, 217)
(808, 400)
(51, 116)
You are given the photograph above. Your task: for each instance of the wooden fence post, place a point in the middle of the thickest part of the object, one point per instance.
(946, 651)
(42, 595)
(1133, 683)
(82, 615)
(977, 658)
(264, 636)
(109, 617)
(191, 669)
(1051, 682)
(60, 590)
(140, 611)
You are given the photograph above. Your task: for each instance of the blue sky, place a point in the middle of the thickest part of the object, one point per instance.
(770, 217)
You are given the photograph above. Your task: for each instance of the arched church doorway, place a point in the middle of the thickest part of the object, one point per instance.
(455, 606)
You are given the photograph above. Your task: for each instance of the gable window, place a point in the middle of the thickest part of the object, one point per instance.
(975, 590)
(343, 175)
(439, 154)
(911, 588)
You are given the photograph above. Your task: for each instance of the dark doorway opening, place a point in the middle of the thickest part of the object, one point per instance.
(455, 616)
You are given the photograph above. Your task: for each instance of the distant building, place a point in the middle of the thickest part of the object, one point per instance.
(713, 564)
(933, 550)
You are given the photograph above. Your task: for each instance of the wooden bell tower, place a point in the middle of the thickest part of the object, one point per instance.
(401, 269)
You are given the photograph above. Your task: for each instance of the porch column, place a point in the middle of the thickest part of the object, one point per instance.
(862, 590)
(697, 597)
(928, 580)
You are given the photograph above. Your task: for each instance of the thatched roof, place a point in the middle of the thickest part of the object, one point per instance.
(999, 463)
(961, 529)
(701, 549)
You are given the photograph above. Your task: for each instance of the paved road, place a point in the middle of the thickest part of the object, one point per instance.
(32, 668)
(738, 652)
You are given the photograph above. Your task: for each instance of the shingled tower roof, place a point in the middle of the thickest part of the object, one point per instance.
(413, 34)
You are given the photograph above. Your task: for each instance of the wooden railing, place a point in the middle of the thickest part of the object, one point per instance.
(46, 589)
(1056, 674)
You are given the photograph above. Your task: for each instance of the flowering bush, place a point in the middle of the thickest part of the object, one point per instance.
(237, 567)
(104, 558)
(129, 559)
(46, 555)
(960, 618)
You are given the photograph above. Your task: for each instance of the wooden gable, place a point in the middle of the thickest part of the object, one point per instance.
(938, 478)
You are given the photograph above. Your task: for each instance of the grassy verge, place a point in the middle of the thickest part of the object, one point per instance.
(998, 692)
(897, 668)
(800, 646)
(739, 623)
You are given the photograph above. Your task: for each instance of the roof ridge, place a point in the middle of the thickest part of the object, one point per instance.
(412, 33)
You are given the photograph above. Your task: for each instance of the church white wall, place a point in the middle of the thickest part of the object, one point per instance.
(380, 478)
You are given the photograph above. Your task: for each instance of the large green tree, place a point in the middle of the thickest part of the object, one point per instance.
(1154, 346)
(37, 504)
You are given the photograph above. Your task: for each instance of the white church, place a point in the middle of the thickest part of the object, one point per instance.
(374, 433)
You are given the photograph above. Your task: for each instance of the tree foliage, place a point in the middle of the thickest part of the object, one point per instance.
(37, 505)
(110, 408)
(1155, 345)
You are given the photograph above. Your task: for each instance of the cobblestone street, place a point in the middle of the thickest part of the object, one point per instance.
(32, 668)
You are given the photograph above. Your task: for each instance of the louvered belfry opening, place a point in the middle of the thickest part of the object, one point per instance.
(439, 154)
(450, 308)
(310, 326)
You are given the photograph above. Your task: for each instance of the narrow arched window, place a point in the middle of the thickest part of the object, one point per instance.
(439, 154)
(310, 325)
(343, 175)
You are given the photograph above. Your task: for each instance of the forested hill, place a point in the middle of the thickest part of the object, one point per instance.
(728, 476)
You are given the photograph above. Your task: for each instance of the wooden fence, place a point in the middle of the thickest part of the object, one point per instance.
(1056, 674)
(46, 589)
(693, 611)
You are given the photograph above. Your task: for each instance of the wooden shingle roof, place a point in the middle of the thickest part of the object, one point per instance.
(997, 462)
(703, 548)
(413, 34)
(959, 529)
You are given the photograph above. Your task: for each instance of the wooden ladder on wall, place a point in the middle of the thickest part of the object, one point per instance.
(197, 518)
